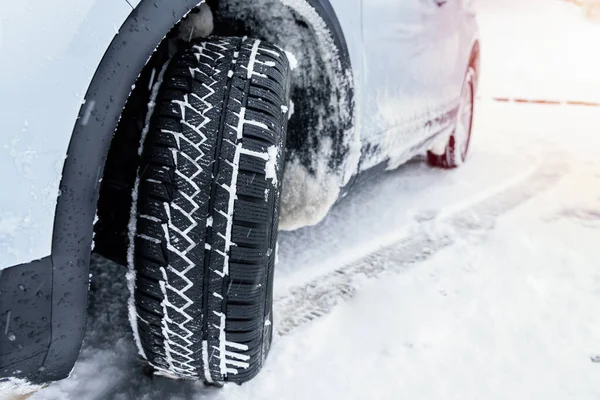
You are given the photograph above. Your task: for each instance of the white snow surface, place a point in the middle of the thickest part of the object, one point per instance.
(478, 283)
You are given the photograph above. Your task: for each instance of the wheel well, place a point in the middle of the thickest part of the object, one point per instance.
(83, 169)
(321, 90)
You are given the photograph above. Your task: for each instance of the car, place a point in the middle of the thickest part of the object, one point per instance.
(178, 137)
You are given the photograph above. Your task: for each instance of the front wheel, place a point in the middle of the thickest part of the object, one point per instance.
(205, 211)
(457, 148)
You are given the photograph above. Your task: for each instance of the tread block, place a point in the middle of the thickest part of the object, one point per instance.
(150, 250)
(148, 304)
(159, 155)
(255, 145)
(258, 132)
(250, 236)
(248, 273)
(149, 287)
(252, 164)
(153, 208)
(147, 268)
(260, 105)
(252, 184)
(246, 211)
(245, 325)
(271, 123)
(156, 189)
(248, 256)
(265, 96)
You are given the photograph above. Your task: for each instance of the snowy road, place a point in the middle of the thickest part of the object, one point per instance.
(480, 283)
(486, 284)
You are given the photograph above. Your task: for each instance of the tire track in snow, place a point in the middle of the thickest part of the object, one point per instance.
(474, 215)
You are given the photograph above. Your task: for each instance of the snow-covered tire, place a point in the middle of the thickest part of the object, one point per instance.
(459, 141)
(206, 209)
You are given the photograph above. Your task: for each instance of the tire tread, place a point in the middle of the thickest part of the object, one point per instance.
(186, 170)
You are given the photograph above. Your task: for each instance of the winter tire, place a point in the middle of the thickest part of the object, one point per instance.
(460, 140)
(205, 211)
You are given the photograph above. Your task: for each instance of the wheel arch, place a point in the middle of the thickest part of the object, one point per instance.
(131, 48)
(234, 18)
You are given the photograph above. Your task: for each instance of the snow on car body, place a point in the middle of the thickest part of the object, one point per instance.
(376, 83)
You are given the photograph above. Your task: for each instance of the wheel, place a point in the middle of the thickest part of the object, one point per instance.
(457, 148)
(205, 211)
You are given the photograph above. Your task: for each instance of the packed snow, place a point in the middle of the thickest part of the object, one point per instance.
(478, 283)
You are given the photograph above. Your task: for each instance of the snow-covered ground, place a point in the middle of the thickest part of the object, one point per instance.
(539, 49)
(480, 283)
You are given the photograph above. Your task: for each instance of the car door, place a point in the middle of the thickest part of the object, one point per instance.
(410, 52)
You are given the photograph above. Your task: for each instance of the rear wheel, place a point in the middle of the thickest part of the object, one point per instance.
(205, 211)
(457, 148)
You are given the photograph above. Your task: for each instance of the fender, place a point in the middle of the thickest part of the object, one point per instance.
(60, 312)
